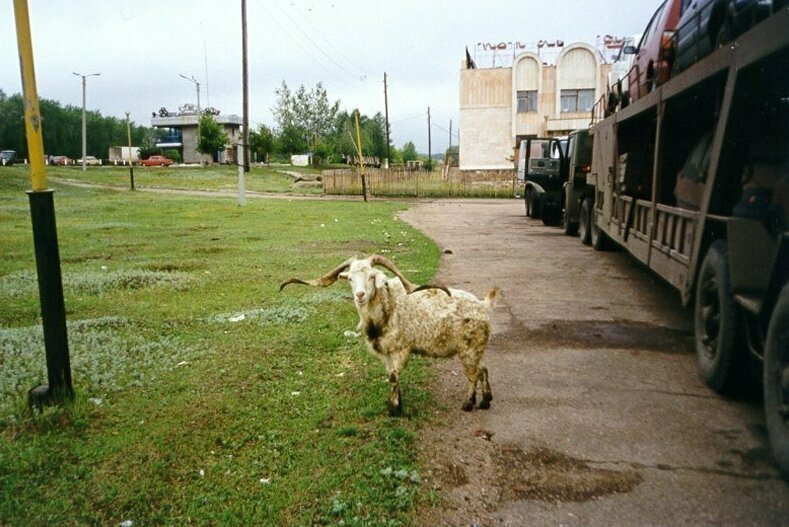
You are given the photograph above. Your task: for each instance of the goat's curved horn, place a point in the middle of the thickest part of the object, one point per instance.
(410, 287)
(325, 280)
(383, 261)
(431, 286)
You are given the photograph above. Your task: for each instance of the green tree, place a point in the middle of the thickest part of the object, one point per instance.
(305, 113)
(261, 141)
(211, 136)
(409, 152)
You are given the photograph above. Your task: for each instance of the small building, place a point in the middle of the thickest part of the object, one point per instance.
(182, 133)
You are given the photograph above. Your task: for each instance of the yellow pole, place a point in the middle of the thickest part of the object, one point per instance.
(35, 142)
(361, 162)
(45, 240)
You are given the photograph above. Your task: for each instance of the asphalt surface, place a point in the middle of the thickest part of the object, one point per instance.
(599, 417)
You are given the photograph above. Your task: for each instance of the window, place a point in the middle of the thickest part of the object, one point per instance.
(577, 100)
(527, 101)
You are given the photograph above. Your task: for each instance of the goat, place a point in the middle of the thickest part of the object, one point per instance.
(399, 318)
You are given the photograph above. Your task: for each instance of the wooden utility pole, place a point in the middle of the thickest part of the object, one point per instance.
(245, 74)
(361, 160)
(450, 133)
(429, 142)
(386, 110)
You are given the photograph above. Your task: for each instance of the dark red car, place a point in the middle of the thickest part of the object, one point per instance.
(655, 52)
(156, 161)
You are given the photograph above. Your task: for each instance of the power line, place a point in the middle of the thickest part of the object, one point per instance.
(299, 44)
(304, 17)
(306, 35)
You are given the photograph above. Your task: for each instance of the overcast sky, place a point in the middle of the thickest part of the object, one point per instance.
(141, 47)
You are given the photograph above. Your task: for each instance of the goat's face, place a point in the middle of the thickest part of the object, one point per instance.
(365, 281)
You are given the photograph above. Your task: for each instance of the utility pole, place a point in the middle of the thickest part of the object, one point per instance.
(429, 142)
(361, 160)
(131, 164)
(450, 133)
(197, 84)
(245, 83)
(386, 110)
(45, 239)
(84, 117)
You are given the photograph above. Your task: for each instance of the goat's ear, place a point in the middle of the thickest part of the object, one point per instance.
(380, 280)
(343, 276)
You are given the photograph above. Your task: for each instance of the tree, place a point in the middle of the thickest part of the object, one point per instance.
(409, 152)
(211, 136)
(307, 114)
(261, 141)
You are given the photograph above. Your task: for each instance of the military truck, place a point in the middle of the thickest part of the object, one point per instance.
(693, 180)
(542, 168)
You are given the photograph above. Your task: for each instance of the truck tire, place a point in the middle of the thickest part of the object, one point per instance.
(721, 356)
(551, 215)
(599, 238)
(585, 225)
(776, 380)
(570, 227)
(533, 204)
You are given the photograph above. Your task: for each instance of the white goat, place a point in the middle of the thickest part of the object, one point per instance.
(400, 318)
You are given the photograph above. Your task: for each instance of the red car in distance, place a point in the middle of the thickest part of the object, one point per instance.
(156, 161)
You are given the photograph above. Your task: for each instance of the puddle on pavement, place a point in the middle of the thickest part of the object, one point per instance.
(597, 334)
(546, 475)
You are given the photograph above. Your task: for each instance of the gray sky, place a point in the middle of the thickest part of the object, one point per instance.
(141, 47)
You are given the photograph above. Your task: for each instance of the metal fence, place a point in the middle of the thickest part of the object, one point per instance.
(438, 183)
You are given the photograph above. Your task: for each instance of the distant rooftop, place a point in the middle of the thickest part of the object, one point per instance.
(189, 115)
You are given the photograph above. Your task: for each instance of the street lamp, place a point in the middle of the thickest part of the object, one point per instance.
(84, 117)
(197, 84)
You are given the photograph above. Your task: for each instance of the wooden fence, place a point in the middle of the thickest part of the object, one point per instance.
(439, 183)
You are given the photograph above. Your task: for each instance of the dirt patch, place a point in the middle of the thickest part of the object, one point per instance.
(595, 334)
(544, 474)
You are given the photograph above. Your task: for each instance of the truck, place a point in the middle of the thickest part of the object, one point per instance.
(692, 180)
(542, 169)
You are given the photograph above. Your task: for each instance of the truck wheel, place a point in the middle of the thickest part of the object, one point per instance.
(570, 227)
(551, 215)
(776, 380)
(599, 239)
(585, 225)
(722, 360)
(533, 204)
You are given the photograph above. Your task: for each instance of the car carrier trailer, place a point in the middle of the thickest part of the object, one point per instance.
(693, 181)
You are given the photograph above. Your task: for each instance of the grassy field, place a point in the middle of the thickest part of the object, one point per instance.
(217, 177)
(204, 396)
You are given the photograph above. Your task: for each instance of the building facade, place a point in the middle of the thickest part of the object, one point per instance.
(182, 134)
(501, 106)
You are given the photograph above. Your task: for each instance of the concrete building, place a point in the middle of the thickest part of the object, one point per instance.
(500, 106)
(182, 134)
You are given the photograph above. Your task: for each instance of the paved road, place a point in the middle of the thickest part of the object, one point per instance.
(599, 417)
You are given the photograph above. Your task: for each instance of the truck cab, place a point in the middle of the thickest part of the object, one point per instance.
(542, 167)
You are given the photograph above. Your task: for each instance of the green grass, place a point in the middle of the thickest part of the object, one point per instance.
(204, 395)
(217, 177)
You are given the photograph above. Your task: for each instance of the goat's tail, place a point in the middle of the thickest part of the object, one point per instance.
(491, 298)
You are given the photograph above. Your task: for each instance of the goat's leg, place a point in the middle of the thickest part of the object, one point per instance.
(396, 364)
(487, 394)
(472, 374)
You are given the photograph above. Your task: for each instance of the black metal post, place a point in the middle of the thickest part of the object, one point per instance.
(53, 308)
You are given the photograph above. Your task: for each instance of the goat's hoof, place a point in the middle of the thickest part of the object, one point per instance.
(484, 404)
(395, 410)
(468, 406)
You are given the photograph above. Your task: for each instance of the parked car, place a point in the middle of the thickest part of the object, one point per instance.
(618, 86)
(655, 53)
(60, 160)
(156, 161)
(7, 157)
(705, 25)
(89, 160)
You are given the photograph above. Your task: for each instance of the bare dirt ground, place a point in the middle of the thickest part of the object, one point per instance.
(599, 417)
